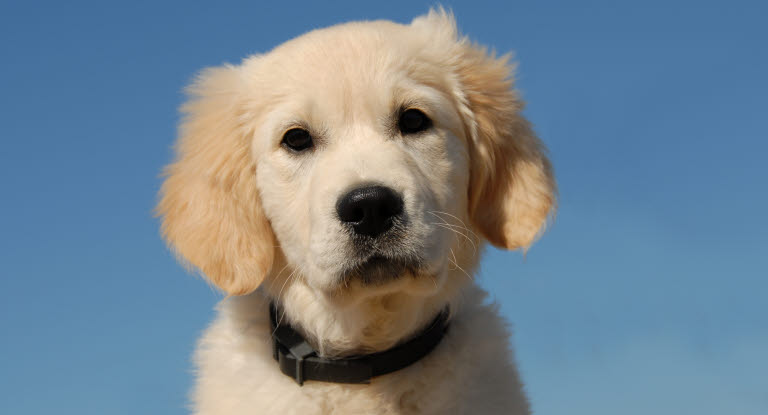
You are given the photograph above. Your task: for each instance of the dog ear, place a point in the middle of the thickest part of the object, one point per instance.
(512, 189)
(210, 208)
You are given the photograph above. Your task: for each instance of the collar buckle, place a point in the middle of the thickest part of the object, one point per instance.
(292, 361)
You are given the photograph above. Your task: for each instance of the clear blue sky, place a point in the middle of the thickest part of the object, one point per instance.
(648, 295)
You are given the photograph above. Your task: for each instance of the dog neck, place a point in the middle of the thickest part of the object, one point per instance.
(299, 360)
(366, 326)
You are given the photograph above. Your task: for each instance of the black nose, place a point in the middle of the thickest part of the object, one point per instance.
(370, 209)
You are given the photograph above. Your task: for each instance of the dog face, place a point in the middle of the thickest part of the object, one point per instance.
(356, 160)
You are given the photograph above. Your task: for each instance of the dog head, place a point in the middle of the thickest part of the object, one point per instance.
(357, 160)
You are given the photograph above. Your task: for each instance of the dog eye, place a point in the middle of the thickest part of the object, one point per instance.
(413, 121)
(297, 139)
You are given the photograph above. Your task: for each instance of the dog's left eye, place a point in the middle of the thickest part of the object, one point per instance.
(413, 121)
(297, 139)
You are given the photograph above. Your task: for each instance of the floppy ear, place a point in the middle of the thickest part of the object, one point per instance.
(512, 189)
(210, 208)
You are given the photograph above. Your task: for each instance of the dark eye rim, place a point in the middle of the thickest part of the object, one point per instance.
(298, 148)
(426, 123)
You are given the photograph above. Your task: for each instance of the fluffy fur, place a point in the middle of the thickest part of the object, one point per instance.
(258, 220)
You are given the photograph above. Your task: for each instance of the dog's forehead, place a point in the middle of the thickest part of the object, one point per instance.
(348, 69)
(365, 42)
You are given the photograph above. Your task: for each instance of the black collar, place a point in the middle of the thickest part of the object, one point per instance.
(300, 361)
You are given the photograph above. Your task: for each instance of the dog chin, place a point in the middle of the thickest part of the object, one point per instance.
(379, 270)
(379, 276)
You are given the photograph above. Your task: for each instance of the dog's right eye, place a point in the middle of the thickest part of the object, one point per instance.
(297, 139)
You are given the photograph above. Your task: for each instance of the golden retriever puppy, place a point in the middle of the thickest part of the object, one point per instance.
(340, 188)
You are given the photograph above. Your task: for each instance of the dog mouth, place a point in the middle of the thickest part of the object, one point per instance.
(378, 269)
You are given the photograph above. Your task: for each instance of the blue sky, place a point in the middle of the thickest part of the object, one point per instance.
(647, 295)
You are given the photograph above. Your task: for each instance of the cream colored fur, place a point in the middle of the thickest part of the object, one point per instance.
(259, 222)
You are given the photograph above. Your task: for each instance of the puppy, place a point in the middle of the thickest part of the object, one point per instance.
(345, 183)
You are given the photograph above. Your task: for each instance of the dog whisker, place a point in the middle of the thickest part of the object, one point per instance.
(276, 278)
(463, 225)
(461, 228)
(290, 276)
(448, 214)
(457, 232)
(456, 264)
